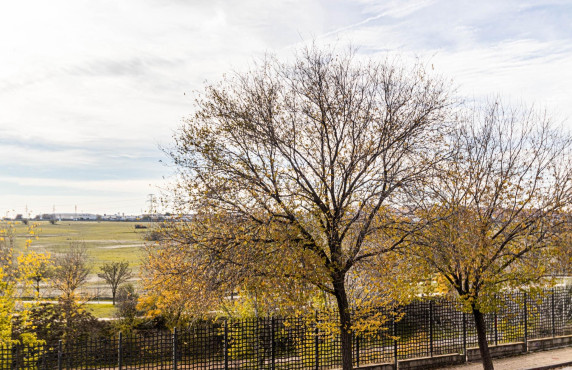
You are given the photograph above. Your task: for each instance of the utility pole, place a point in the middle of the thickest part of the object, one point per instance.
(151, 202)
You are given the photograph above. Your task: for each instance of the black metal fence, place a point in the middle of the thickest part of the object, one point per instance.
(425, 328)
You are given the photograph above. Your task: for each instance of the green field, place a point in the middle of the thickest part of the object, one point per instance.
(105, 241)
(105, 310)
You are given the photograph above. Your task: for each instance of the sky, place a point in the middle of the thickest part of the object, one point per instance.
(90, 91)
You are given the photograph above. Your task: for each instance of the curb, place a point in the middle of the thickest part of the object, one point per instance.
(553, 366)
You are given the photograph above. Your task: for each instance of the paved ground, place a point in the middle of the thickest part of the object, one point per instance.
(535, 360)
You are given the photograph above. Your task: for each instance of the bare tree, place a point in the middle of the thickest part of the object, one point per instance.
(71, 269)
(291, 168)
(496, 207)
(115, 274)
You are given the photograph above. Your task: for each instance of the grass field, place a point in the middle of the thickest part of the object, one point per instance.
(106, 310)
(105, 241)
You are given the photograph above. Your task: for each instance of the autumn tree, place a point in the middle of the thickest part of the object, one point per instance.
(14, 276)
(37, 267)
(67, 320)
(127, 312)
(115, 274)
(8, 274)
(71, 269)
(293, 170)
(561, 265)
(495, 209)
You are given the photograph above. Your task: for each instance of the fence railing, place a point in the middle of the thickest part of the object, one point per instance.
(427, 328)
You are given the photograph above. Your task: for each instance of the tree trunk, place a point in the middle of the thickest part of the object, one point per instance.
(345, 322)
(482, 336)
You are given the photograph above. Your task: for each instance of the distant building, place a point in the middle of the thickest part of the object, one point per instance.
(62, 216)
(74, 216)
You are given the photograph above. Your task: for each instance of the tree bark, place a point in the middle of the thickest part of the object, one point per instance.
(345, 322)
(482, 337)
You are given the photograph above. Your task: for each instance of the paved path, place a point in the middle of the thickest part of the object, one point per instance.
(535, 360)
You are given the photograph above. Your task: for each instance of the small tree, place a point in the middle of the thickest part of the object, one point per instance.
(38, 267)
(127, 311)
(15, 273)
(495, 209)
(115, 274)
(71, 269)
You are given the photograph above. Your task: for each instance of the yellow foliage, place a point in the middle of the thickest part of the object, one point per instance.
(15, 271)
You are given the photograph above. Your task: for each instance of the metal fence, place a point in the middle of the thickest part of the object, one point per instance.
(424, 328)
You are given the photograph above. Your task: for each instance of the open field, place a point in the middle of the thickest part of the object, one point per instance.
(105, 241)
(103, 310)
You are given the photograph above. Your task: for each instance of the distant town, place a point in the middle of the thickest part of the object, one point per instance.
(72, 216)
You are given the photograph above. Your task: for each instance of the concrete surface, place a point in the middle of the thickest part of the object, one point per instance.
(553, 359)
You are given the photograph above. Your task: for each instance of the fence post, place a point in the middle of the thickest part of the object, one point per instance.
(496, 330)
(465, 337)
(553, 319)
(317, 344)
(357, 348)
(525, 323)
(120, 352)
(225, 344)
(431, 328)
(14, 359)
(60, 365)
(273, 342)
(395, 360)
(174, 340)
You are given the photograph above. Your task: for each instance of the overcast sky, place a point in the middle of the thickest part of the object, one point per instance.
(89, 90)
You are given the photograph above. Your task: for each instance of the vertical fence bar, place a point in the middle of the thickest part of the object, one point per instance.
(120, 351)
(465, 337)
(225, 344)
(357, 349)
(553, 318)
(273, 342)
(496, 329)
(14, 359)
(431, 328)
(174, 343)
(395, 360)
(496, 322)
(316, 344)
(60, 354)
(525, 323)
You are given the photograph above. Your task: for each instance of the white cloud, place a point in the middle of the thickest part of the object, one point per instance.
(89, 89)
(30, 156)
(124, 186)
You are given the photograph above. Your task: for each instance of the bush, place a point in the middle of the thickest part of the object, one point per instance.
(153, 235)
(67, 320)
